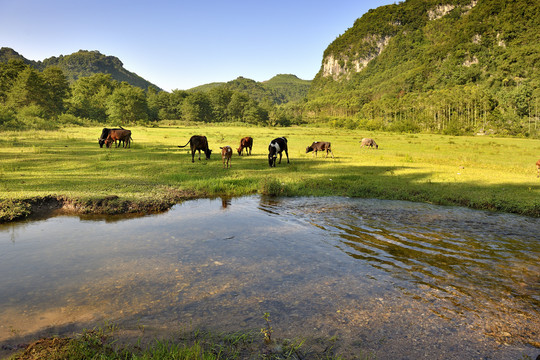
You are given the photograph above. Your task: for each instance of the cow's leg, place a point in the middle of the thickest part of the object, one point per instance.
(287, 153)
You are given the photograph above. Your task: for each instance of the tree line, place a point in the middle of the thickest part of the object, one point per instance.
(33, 99)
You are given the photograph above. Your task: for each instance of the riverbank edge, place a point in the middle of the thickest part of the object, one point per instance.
(45, 206)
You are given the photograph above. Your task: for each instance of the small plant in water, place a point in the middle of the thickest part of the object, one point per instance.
(267, 331)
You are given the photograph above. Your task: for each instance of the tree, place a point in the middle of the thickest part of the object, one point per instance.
(28, 89)
(8, 74)
(127, 104)
(90, 96)
(56, 89)
(220, 98)
(236, 106)
(197, 107)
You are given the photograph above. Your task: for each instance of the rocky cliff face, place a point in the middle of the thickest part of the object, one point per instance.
(354, 57)
(336, 67)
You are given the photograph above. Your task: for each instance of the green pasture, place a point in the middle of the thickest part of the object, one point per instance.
(479, 172)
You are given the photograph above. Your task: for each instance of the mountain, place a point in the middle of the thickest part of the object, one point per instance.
(280, 89)
(82, 63)
(454, 59)
(293, 88)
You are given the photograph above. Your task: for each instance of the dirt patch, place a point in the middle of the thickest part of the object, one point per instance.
(51, 348)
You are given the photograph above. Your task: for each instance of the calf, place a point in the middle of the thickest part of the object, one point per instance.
(226, 154)
(198, 142)
(320, 146)
(245, 143)
(276, 147)
(120, 135)
(369, 142)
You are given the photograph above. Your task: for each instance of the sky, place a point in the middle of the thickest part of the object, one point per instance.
(182, 44)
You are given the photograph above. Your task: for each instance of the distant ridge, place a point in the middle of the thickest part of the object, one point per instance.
(82, 63)
(280, 89)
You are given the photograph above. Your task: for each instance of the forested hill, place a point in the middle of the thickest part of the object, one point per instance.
(435, 65)
(280, 89)
(82, 63)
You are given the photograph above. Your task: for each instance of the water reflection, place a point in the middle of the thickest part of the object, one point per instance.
(375, 273)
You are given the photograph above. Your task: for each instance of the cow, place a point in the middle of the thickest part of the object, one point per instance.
(198, 142)
(104, 134)
(120, 135)
(538, 168)
(226, 154)
(276, 147)
(245, 143)
(320, 146)
(369, 142)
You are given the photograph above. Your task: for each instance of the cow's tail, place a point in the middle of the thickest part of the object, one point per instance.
(185, 145)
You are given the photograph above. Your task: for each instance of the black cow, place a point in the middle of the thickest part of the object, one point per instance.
(105, 133)
(320, 146)
(198, 142)
(276, 147)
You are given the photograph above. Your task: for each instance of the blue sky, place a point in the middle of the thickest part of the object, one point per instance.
(183, 44)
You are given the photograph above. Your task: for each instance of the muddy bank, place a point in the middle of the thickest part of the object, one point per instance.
(46, 206)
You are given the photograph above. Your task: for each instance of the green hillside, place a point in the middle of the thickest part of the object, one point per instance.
(290, 86)
(458, 66)
(81, 64)
(280, 89)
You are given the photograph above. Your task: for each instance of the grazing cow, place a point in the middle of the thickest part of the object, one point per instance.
(538, 168)
(104, 134)
(120, 135)
(276, 147)
(320, 146)
(198, 142)
(369, 142)
(226, 154)
(245, 143)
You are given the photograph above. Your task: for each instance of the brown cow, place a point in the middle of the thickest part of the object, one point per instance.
(198, 142)
(320, 146)
(226, 154)
(369, 142)
(105, 133)
(120, 135)
(245, 143)
(538, 168)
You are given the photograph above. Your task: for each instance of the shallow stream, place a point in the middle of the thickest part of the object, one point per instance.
(383, 279)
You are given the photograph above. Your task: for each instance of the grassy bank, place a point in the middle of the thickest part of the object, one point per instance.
(47, 169)
(103, 344)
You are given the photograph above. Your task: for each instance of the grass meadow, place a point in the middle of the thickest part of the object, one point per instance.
(480, 172)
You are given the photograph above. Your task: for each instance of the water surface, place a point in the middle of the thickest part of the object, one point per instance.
(389, 279)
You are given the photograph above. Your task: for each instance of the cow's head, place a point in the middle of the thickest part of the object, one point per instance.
(272, 159)
(308, 149)
(207, 152)
(240, 150)
(101, 141)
